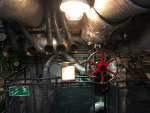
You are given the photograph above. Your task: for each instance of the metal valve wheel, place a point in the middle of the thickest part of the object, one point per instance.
(102, 66)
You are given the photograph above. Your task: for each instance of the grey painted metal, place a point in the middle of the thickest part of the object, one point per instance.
(135, 45)
(27, 12)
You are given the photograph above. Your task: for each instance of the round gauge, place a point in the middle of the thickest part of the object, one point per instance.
(2, 37)
(16, 63)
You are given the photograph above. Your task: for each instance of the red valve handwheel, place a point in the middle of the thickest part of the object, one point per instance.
(102, 67)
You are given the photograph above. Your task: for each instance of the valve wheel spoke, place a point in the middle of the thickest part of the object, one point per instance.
(93, 73)
(110, 61)
(111, 71)
(92, 62)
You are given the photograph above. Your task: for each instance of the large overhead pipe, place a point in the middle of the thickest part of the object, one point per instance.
(105, 14)
(74, 47)
(61, 48)
(117, 10)
(135, 44)
(27, 12)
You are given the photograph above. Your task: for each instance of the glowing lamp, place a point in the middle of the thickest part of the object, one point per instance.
(74, 9)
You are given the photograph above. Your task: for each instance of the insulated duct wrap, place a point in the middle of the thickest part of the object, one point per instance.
(98, 25)
(27, 12)
(95, 29)
(117, 10)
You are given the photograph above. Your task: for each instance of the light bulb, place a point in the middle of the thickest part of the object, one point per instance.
(74, 16)
(74, 9)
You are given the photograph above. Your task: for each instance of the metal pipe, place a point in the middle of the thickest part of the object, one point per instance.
(29, 45)
(26, 34)
(27, 12)
(135, 45)
(74, 47)
(105, 17)
(46, 66)
(8, 51)
(117, 10)
(30, 49)
(70, 58)
(49, 49)
(61, 48)
(41, 42)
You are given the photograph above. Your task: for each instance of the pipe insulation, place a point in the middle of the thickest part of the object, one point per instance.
(27, 12)
(97, 26)
(117, 10)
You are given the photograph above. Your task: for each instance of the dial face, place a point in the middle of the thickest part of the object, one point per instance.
(2, 37)
(16, 63)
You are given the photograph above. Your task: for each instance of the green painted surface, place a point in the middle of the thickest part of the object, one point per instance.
(2, 97)
(19, 91)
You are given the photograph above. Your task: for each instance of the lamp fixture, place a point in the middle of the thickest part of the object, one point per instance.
(74, 9)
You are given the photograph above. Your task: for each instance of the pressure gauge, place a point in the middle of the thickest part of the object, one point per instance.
(16, 63)
(2, 37)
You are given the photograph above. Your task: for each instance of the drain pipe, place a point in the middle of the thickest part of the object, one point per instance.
(74, 47)
(61, 48)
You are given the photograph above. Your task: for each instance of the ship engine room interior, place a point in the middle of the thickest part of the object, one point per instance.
(74, 56)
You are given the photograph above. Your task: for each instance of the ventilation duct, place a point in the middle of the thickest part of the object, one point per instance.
(97, 27)
(27, 12)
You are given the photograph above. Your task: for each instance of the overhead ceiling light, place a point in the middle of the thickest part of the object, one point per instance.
(74, 9)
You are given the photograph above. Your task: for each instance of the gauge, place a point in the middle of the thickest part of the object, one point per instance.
(16, 63)
(2, 37)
